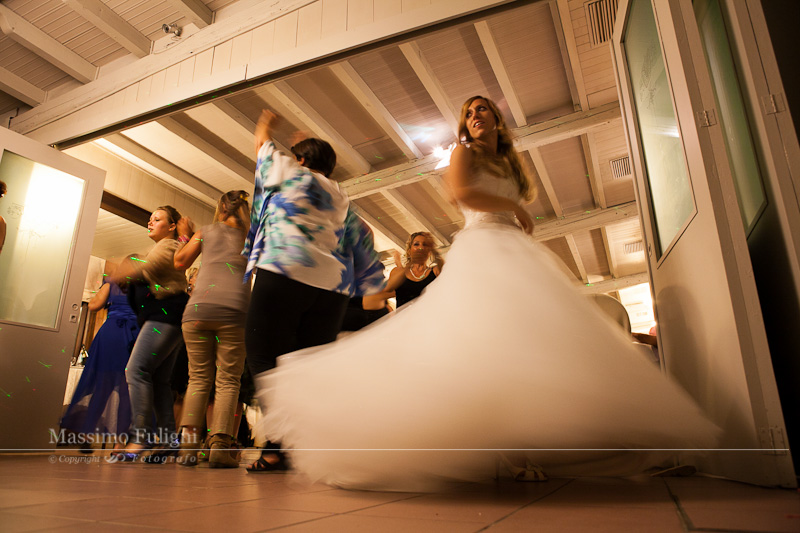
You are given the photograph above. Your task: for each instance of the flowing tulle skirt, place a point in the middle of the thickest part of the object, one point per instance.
(100, 403)
(500, 353)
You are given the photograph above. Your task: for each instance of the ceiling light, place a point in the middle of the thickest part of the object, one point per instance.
(444, 155)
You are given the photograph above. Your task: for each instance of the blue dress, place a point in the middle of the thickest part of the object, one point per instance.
(101, 403)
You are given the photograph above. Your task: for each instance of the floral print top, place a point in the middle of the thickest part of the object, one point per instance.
(302, 227)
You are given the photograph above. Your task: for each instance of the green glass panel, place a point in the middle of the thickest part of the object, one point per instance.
(41, 210)
(731, 111)
(670, 191)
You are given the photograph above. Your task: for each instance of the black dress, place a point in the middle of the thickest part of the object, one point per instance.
(411, 289)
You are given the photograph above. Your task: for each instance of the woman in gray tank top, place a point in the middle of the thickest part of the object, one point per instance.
(213, 329)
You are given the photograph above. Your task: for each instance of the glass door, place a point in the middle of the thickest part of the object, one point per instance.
(50, 211)
(696, 210)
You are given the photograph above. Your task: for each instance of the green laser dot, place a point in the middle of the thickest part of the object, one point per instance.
(154, 329)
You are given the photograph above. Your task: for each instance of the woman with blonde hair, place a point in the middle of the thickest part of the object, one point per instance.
(213, 328)
(416, 270)
(502, 352)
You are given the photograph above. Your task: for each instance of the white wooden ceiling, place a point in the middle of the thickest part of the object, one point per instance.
(384, 110)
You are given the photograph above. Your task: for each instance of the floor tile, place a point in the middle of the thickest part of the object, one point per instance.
(330, 501)
(109, 508)
(723, 504)
(542, 518)
(11, 522)
(10, 497)
(644, 492)
(215, 518)
(456, 507)
(369, 524)
(40, 493)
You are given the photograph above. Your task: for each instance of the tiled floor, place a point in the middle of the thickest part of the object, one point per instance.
(53, 492)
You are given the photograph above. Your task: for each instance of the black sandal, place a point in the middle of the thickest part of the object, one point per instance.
(261, 465)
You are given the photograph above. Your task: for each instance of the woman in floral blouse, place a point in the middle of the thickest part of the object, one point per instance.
(310, 253)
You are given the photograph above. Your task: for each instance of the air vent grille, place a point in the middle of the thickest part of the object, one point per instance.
(600, 16)
(621, 168)
(633, 247)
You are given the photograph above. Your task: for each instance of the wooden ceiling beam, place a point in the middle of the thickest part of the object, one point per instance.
(20, 89)
(500, 72)
(566, 127)
(584, 221)
(547, 183)
(574, 66)
(243, 176)
(565, 57)
(195, 10)
(23, 32)
(112, 25)
(526, 137)
(354, 83)
(598, 192)
(225, 127)
(593, 169)
(425, 73)
(615, 284)
(576, 256)
(202, 190)
(407, 208)
(378, 228)
(612, 262)
(348, 156)
(450, 210)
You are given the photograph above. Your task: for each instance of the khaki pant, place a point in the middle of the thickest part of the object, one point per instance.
(214, 348)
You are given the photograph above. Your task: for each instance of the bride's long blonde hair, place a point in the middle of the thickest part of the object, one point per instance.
(507, 162)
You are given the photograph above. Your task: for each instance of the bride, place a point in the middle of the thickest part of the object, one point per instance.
(501, 357)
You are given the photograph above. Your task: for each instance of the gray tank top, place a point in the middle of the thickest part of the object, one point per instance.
(219, 294)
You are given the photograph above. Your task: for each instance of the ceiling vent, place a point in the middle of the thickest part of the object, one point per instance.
(600, 16)
(621, 168)
(633, 247)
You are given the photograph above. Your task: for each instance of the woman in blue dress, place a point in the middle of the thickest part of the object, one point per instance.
(100, 404)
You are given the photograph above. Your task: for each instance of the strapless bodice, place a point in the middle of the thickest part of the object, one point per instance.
(490, 184)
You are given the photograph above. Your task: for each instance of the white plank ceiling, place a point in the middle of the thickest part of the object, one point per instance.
(385, 109)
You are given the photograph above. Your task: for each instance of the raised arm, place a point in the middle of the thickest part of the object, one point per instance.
(458, 179)
(264, 127)
(189, 252)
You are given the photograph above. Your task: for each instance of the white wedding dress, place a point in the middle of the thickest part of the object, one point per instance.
(500, 353)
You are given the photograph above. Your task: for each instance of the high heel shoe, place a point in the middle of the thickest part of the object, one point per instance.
(128, 456)
(161, 454)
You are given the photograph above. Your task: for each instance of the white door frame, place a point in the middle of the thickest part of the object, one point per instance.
(34, 361)
(719, 353)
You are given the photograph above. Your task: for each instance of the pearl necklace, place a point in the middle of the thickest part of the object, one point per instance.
(411, 271)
